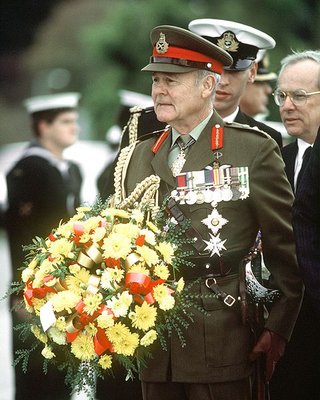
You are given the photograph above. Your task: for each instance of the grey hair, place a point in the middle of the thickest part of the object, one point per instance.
(202, 73)
(295, 57)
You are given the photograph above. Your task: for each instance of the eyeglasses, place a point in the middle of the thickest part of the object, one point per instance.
(298, 97)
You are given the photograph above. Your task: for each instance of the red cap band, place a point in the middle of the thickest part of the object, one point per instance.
(192, 56)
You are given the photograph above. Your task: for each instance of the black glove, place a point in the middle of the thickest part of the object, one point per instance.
(273, 345)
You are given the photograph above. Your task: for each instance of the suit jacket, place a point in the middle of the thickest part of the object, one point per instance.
(218, 343)
(306, 218)
(289, 154)
(245, 119)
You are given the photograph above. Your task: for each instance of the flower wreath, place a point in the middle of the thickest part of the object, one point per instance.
(102, 288)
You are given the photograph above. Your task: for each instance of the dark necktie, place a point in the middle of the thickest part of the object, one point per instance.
(305, 160)
(183, 143)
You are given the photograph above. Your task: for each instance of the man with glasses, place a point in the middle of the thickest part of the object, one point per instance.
(298, 98)
(242, 42)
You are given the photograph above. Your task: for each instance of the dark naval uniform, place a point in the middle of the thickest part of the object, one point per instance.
(41, 192)
(218, 344)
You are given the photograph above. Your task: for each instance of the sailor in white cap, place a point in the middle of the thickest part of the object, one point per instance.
(242, 42)
(43, 189)
(254, 101)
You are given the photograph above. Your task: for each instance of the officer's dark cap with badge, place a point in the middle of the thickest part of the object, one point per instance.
(263, 72)
(241, 41)
(178, 50)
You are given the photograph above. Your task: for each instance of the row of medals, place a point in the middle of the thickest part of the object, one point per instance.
(199, 187)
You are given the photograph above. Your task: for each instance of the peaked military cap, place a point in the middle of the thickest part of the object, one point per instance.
(51, 102)
(178, 50)
(263, 72)
(241, 41)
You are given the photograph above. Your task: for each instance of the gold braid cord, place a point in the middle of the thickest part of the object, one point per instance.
(146, 192)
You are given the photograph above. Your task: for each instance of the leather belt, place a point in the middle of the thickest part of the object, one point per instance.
(205, 267)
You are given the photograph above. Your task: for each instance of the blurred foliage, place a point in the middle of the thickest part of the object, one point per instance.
(103, 44)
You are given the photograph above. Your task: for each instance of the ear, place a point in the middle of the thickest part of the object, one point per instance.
(208, 84)
(43, 127)
(252, 72)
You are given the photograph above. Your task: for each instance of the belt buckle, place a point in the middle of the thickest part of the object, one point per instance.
(229, 300)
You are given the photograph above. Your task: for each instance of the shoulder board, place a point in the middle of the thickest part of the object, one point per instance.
(253, 129)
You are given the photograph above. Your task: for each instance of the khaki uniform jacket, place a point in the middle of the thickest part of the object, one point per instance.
(218, 343)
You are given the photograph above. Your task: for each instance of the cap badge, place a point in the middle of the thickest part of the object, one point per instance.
(228, 42)
(161, 45)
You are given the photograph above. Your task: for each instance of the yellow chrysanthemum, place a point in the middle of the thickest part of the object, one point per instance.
(105, 320)
(116, 246)
(139, 268)
(83, 209)
(167, 303)
(74, 268)
(61, 247)
(98, 234)
(149, 338)
(37, 304)
(130, 230)
(149, 236)
(90, 329)
(160, 292)
(33, 264)
(77, 282)
(180, 285)
(92, 223)
(65, 300)
(39, 334)
(149, 255)
(84, 238)
(82, 347)
(115, 213)
(26, 274)
(65, 230)
(144, 316)
(110, 277)
(127, 344)
(92, 302)
(137, 216)
(161, 271)
(117, 331)
(57, 335)
(166, 250)
(120, 304)
(60, 324)
(48, 353)
(105, 361)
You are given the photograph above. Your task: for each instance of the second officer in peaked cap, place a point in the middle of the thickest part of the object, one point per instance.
(227, 181)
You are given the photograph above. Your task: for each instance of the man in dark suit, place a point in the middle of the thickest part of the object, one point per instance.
(217, 359)
(298, 98)
(242, 42)
(43, 188)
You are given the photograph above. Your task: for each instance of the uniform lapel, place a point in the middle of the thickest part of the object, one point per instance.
(201, 153)
(159, 162)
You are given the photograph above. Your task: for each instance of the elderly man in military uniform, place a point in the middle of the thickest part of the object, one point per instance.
(43, 188)
(228, 180)
(242, 42)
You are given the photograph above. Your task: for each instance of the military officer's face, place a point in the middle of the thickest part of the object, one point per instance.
(256, 98)
(180, 99)
(231, 87)
(62, 131)
(302, 120)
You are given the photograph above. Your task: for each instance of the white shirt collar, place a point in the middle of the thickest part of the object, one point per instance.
(230, 118)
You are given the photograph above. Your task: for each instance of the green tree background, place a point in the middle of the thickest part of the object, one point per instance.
(98, 47)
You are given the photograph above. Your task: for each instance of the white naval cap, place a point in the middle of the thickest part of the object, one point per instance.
(241, 41)
(51, 102)
(129, 99)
